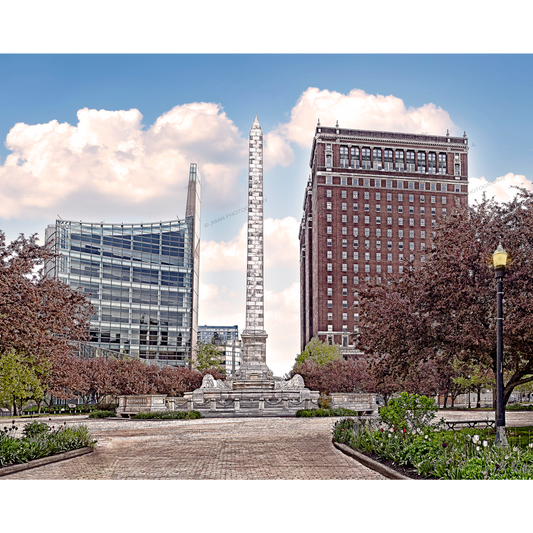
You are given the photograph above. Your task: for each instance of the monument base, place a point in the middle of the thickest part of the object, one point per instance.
(247, 398)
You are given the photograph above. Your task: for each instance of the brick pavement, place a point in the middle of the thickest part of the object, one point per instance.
(230, 449)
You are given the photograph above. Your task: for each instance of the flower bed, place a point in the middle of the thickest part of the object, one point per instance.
(39, 440)
(417, 444)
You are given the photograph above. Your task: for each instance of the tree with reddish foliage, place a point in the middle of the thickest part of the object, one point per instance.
(39, 315)
(446, 309)
(338, 375)
(100, 378)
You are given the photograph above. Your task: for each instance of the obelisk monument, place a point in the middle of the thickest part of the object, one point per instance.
(254, 371)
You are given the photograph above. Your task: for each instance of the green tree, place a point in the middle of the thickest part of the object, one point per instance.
(208, 356)
(19, 381)
(319, 352)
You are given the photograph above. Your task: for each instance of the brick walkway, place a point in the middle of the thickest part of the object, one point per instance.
(231, 449)
(237, 449)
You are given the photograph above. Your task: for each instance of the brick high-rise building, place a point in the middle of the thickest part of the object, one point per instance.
(371, 202)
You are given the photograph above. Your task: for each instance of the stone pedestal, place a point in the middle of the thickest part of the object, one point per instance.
(142, 403)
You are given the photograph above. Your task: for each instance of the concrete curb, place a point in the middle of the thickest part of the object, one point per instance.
(11, 469)
(370, 463)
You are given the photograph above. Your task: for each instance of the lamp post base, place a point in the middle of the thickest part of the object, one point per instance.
(501, 438)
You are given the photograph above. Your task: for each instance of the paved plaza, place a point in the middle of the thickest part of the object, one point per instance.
(228, 449)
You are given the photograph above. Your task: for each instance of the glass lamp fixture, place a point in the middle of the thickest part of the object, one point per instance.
(499, 258)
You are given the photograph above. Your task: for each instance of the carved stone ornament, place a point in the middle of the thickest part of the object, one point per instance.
(296, 382)
(209, 382)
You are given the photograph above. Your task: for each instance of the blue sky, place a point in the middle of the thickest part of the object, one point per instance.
(488, 96)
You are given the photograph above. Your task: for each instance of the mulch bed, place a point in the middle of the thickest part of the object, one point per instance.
(406, 471)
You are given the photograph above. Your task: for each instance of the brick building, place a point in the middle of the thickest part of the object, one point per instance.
(371, 202)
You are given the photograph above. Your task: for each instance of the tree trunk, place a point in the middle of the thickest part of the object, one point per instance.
(14, 406)
(478, 403)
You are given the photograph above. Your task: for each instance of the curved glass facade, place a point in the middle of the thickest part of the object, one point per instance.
(139, 278)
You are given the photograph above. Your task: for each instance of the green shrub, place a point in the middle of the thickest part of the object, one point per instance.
(519, 407)
(37, 442)
(102, 414)
(411, 412)
(34, 429)
(168, 415)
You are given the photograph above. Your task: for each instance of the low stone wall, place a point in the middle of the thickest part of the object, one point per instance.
(142, 403)
(363, 402)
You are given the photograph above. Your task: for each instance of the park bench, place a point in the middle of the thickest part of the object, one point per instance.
(451, 424)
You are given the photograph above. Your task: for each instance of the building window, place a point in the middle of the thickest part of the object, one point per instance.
(443, 187)
(355, 207)
(389, 256)
(387, 155)
(343, 181)
(355, 231)
(422, 210)
(343, 194)
(378, 220)
(355, 195)
(389, 269)
(344, 243)
(330, 328)
(329, 267)
(389, 233)
(400, 221)
(344, 303)
(378, 269)
(400, 269)
(422, 234)
(330, 291)
(329, 242)
(367, 207)
(367, 268)
(376, 156)
(344, 219)
(457, 169)
(411, 210)
(356, 256)
(330, 279)
(443, 211)
(330, 316)
(400, 246)
(389, 220)
(421, 161)
(423, 258)
(432, 186)
(412, 246)
(399, 161)
(400, 197)
(433, 199)
(367, 256)
(412, 234)
(378, 208)
(400, 209)
(344, 280)
(378, 196)
(343, 152)
(329, 217)
(365, 158)
(344, 267)
(389, 209)
(356, 268)
(367, 220)
(411, 197)
(457, 188)
(442, 163)
(329, 230)
(411, 222)
(389, 184)
(344, 206)
(457, 200)
(328, 205)
(400, 185)
(400, 233)
(356, 243)
(378, 245)
(356, 280)
(389, 245)
(410, 158)
(443, 199)
(354, 153)
(367, 195)
(422, 199)
(367, 232)
(389, 197)
(329, 254)
(344, 255)
(328, 160)
(422, 222)
(328, 180)
(432, 163)
(344, 230)
(330, 304)
(378, 232)
(367, 245)
(328, 193)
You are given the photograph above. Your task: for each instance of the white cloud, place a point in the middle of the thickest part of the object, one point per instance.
(356, 110)
(281, 247)
(501, 188)
(108, 166)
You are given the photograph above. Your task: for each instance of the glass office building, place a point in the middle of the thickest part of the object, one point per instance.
(142, 280)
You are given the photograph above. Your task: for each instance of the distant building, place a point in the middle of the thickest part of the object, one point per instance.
(142, 280)
(226, 338)
(370, 204)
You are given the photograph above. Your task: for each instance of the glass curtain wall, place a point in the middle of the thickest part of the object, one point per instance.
(139, 278)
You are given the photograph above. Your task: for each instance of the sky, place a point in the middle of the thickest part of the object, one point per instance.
(110, 137)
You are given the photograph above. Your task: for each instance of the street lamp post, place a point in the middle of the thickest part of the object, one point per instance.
(499, 259)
